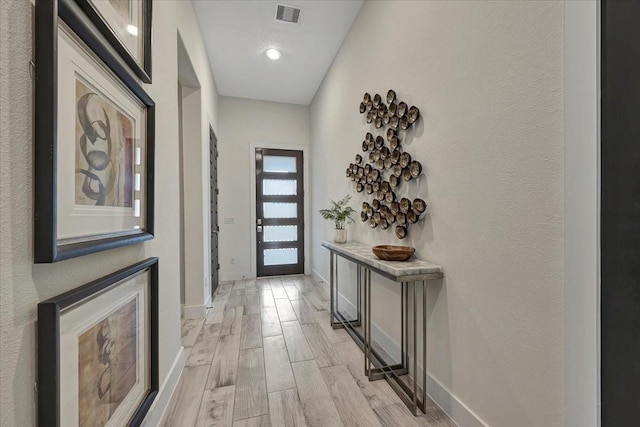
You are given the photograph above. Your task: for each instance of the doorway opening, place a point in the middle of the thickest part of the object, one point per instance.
(279, 212)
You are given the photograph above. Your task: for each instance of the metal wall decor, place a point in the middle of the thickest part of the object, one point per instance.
(388, 165)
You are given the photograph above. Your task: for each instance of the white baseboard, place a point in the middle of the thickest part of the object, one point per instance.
(460, 413)
(158, 411)
(317, 277)
(226, 276)
(319, 280)
(454, 407)
(194, 311)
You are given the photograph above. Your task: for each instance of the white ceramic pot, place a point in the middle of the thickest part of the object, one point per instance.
(341, 236)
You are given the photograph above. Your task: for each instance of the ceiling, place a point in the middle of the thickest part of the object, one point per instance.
(237, 34)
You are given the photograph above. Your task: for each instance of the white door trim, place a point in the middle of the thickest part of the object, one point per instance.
(582, 212)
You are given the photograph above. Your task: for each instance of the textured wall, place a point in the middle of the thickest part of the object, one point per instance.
(24, 284)
(488, 79)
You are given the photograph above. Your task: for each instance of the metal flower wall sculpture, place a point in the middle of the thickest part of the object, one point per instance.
(386, 157)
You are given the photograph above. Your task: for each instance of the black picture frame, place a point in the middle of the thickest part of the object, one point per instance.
(47, 249)
(49, 312)
(143, 71)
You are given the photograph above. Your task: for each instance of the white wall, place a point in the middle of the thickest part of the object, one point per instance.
(244, 125)
(196, 280)
(582, 213)
(24, 284)
(488, 79)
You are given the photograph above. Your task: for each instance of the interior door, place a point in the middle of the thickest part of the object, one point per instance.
(215, 229)
(279, 212)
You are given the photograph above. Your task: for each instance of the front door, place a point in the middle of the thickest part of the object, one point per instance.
(279, 212)
(213, 171)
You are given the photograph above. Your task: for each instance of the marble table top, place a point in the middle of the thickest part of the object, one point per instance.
(399, 271)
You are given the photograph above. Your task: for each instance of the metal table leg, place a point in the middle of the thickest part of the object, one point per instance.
(424, 346)
(366, 323)
(358, 321)
(331, 279)
(404, 326)
(336, 295)
(401, 368)
(415, 350)
(369, 339)
(339, 320)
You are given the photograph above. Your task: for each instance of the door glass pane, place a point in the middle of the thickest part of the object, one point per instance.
(280, 210)
(280, 164)
(280, 256)
(279, 187)
(280, 233)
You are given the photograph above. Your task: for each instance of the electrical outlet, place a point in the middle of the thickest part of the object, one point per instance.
(232, 260)
(229, 220)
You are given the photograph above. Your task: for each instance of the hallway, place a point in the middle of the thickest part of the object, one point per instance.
(266, 355)
(165, 153)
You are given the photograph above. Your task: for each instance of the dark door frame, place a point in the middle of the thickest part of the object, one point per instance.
(214, 192)
(620, 213)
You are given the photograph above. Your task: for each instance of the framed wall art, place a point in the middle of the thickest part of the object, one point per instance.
(126, 25)
(94, 144)
(98, 351)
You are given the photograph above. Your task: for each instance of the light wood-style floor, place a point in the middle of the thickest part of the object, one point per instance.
(265, 355)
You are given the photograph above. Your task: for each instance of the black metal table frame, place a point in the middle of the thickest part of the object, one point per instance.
(375, 365)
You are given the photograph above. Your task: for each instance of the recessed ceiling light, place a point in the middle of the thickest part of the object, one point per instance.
(273, 54)
(133, 30)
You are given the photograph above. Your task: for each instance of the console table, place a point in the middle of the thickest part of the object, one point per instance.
(408, 274)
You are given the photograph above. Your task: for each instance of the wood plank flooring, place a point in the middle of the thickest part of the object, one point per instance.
(285, 408)
(216, 408)
(297, 344)
(277, 366)
(319, 409)
(265, 355)
(251, 389)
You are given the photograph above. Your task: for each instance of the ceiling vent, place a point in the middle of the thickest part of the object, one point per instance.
(288, 14)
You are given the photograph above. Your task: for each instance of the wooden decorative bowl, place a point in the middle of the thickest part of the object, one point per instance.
(393, 253)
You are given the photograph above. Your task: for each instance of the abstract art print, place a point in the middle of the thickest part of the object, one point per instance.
(98, 351)
(107, 356)
(94, 143)
(104, 150)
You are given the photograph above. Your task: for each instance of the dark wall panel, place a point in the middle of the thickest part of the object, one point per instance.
(620, 213)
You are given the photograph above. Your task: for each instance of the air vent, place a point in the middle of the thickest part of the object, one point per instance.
(287, 14)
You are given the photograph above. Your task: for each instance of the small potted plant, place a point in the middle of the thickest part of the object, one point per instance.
(341, 214)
